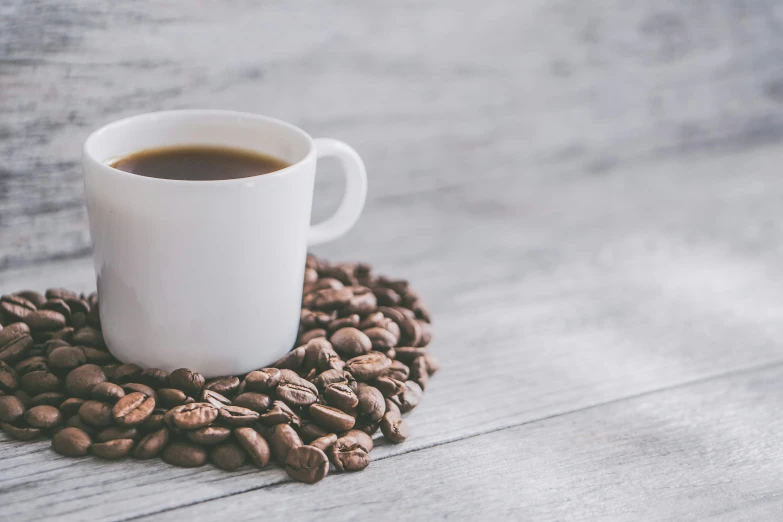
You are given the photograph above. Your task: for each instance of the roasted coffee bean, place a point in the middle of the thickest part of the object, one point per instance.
(311, 431)
(386, 296)
(71, 442)
(343, 273)
(407, 354)
(185, 454)
(433, 365)
(408, 314)
(307, 464)
(228, 456)
(368, 427)
(393, 314)
(410, 398)
(169, 397)
(410, 330)
(43, 417)
(131, 387)
(66, 358)
(296, 391)
(88, 336)
(9, 379)
(193, 416)
(59, 306)
(351, 452)
(63, 334)
(350, 342)
(426, 334)
(16, 308)
(61, 293)
(419, 372)
(310, 275)
(34, 297)
(331, 418)
(12, 332)
(391, 327)
(48, 399)
(329, 377)
(110, 369)
(94, 316)
(24, 397)
(152, 445)
(341, 396)
(11, 409)
(80, 381)
(369, 366)
(308, 336)
(262, 380)
(16, 349)
(238, 416)
(394, 428)
(155, 421)
(96, 413)
(282, 439)
(349, 321)
(397, 370)
(226, 386)
(423, 314)
(78, 319)
(292, 360)
(362, 302)
(128, 372)
(113, 449)
(76, 422)
(17, 433)
(372, 320)
(117, 432)
(325, 442)
(39, 382)
(45, 320)
(71, 406)
(214, 398)
(381, 338)
(257, 402)
(371, 405)
(313, 351)
(107, 392)
(154, 378)
(388, 386)
(400, 286)
(328, 299)
(133, 409)
(209, 435)
(328, 359)
(189, 382)
(78, 305)
(96, 356)
(254, 444)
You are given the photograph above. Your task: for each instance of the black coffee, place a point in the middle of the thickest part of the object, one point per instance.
(198, 163)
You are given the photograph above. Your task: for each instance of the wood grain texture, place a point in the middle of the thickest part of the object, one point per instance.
(586, 194)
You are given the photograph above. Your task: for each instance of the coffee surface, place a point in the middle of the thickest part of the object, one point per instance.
(198, 163)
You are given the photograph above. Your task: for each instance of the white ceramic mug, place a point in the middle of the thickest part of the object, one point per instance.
(207, 274)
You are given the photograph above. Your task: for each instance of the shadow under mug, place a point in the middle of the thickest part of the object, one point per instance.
(207, 274)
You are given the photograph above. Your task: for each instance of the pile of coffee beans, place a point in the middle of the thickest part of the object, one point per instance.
(360, 363)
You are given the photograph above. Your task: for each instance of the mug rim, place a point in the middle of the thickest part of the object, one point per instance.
(88, 156)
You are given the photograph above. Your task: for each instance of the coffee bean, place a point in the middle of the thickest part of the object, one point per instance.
(107, 392)
(296, 391)
(257, 402)
(362, 302)
(368, 427)
(16, 349)
(342, 273)
(388, 386)
(371, 320)
(16, 308)
(71, 442)
(407, 354)
(64, 334)
(78, 319)
(307, 464)
(39, 382)
(11, 409)
(311, 431)
(331, 418)
(117, 432)
(369, 366)
(209, 435)
(34, 297)
(131, 387)
(193, 416)
(80, 381)
(133, 409)
(154, 378)
(411, 332)
(34, 363)
(328, 358)
(329, 377)
(325, 442)
(9, 379)
(155, 421)
(238, 416)
(400, 286)
(61, 293)
(228, 456)
(67, 358)
(152, 445)
(12, 332)
(226, 386)
(310, 275)
(185, 454)
(426, 334)
(408, 314)
(76, 422)
(109, 369)
(48, 399)
(128, 372)
(371, 405)
(95, 356)
(169, 397)
(214, 398)
(189, 382)
(87, 336)
(96, 413)
(254, 444)
(381, 338)
(433, 365)
(71, 406)
(351, 452)
(386, 296)
(328, 299)
(410, 398)
(394, 428)
(308, 336)
(350, 342)
(262, 380)
(292, 360)
(24, 397)
(282, 439)
(349, 321)
(113, 449)
(59, 306)
(341, 396)
(17, 433)
(419, 372)
(94, 316)
(45, 320)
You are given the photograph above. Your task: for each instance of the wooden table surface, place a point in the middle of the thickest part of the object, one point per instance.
(586, 193)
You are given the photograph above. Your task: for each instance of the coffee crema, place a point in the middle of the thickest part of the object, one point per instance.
(198, 163)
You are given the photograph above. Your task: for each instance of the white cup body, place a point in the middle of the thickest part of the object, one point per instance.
(206, 274)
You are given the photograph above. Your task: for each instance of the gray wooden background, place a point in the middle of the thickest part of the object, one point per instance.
(586, 192)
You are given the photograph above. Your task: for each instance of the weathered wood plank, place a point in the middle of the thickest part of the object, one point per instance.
(712, 450)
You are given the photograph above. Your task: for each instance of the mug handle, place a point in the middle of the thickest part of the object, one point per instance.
(355, 191)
